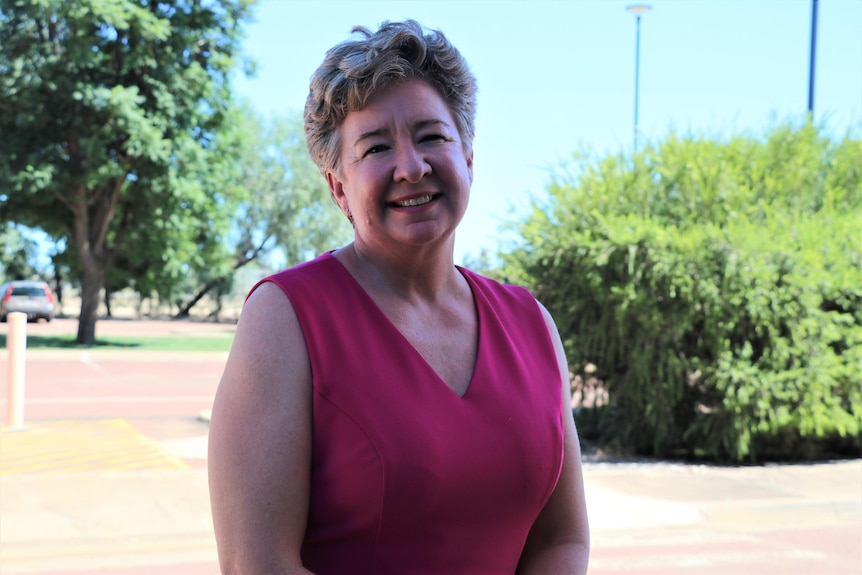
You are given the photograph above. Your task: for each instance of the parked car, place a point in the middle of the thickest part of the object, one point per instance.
(31, 297)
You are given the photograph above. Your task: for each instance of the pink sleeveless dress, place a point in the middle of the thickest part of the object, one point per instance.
(407, 477)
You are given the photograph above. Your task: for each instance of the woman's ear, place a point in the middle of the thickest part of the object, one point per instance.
(336, 188)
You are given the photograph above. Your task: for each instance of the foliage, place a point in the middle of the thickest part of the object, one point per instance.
(17, 252)
(280, 204)
(285, 203)
(185, 244)
(108, 110)
(717, 287)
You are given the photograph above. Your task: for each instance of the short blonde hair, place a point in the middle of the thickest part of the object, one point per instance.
(356, 69)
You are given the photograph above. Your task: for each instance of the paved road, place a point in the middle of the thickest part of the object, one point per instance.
(108, 476)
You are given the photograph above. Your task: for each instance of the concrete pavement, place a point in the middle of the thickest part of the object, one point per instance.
(646, 518)
(109, 521)
(673, 518)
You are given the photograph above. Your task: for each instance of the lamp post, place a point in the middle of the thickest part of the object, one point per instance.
(812, 60)
(638, 10)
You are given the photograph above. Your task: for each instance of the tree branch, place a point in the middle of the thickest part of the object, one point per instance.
(65, 201)
(107, 213)
(242, 260)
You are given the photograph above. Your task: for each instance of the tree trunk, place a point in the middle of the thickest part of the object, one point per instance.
(92, 280)
(58, 290)
(91, 218)
(108, 313)
(214, 315)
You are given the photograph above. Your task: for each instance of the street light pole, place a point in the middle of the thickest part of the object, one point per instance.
(638, 10)
(812, 60)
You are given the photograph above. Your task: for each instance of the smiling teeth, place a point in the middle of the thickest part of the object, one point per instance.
(414, 202)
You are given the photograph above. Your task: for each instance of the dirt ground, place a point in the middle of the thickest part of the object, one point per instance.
(128, 306)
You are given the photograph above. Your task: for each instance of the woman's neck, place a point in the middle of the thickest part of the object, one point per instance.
(426, 275)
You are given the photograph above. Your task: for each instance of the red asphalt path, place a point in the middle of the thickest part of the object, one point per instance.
(86, 384)
(106, 384)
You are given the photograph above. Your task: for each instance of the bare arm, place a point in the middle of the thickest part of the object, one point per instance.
(260, 441)
(559, 542)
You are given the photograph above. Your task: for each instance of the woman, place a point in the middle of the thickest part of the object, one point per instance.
(383, 411)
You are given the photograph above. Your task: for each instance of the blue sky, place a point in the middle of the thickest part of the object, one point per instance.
(556, 76)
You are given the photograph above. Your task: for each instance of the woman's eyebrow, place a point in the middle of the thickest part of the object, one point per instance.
(417, 125)
(371, 134)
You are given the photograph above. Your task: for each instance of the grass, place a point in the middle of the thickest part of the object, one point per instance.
(119, 342)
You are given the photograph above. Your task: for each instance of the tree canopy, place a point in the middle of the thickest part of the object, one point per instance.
(109, 110)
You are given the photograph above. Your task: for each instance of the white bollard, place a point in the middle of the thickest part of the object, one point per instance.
(16, 344)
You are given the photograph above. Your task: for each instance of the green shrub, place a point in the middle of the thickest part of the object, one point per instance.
(716, 287)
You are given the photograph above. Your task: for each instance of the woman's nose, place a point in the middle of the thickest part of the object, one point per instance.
(411, 166)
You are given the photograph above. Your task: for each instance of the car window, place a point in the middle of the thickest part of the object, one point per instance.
(32, 291)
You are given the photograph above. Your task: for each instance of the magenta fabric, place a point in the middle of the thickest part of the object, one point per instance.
(407, 477)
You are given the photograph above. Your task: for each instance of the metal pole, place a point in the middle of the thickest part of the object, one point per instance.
(637, 10)
(812, 60)
(16, 343)
(637, 75)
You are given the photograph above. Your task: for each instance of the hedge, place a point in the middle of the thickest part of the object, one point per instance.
(716, 290)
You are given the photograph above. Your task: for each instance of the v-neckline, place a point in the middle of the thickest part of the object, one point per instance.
(409, 344)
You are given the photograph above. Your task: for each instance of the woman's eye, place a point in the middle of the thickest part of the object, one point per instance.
(375, 150)
(434, 138)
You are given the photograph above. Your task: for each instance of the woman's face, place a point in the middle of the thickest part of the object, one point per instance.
(405, 174)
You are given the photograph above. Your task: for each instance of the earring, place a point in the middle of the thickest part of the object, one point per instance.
(349, 216)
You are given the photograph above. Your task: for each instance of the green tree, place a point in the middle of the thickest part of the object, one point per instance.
(717, 288)
(17, 254)
(189, 224)
(287, 201)
(280, 202)
(104, 105)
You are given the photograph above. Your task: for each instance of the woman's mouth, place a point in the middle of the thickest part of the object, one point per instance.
(416, 201)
